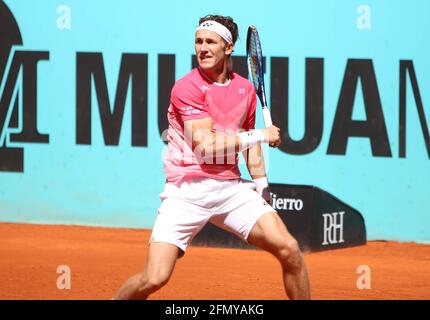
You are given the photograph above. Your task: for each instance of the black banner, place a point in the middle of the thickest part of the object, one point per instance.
(317, 219)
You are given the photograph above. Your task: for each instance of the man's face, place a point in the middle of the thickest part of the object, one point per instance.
(211, 50)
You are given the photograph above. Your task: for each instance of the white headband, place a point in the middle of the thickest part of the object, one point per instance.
(218, 28)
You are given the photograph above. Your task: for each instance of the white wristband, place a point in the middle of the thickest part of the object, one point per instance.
(251, 138)
(261, 184)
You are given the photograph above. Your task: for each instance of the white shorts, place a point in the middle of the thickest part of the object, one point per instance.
(232, 205)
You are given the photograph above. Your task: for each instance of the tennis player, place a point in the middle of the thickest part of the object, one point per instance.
(211, 119)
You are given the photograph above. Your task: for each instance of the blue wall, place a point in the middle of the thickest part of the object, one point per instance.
(69, 183)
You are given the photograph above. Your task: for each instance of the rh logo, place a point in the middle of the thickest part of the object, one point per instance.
(333, 228)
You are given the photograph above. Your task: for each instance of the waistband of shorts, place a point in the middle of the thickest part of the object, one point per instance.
(192, 180)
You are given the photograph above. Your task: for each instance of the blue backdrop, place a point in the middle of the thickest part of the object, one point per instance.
(98, 184)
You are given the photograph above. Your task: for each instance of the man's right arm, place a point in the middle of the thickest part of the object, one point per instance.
(207, 144)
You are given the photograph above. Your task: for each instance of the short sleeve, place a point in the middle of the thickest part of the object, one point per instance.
(189, 101)
(249, 123)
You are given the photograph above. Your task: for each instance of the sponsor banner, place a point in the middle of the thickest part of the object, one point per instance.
(318, 221)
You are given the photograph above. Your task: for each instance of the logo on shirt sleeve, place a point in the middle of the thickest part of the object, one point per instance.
(189, 110)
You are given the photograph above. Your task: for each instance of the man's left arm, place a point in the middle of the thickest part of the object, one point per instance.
(256, 168)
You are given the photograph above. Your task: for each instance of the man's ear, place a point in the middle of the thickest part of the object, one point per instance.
(229, 49)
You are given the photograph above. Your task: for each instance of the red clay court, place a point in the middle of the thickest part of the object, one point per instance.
(100, 260)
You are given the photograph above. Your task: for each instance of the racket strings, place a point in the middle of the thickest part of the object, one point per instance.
(255, 61)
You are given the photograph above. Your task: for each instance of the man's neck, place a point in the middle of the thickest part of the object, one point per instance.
(218, 76)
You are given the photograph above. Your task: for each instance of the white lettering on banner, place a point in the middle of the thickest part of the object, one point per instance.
(286, 203)
(333, 228)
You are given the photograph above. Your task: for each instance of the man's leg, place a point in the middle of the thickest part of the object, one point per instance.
(270, 234)
(159, 267)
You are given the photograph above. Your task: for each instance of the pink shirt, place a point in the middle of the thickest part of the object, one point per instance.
(232, 109)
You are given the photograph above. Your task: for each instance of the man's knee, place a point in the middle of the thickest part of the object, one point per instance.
(289, 255)
(152, 282)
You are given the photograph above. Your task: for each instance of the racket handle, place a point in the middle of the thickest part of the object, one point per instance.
(267, 117)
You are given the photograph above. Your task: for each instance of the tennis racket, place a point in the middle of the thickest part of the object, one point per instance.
(254, 59)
